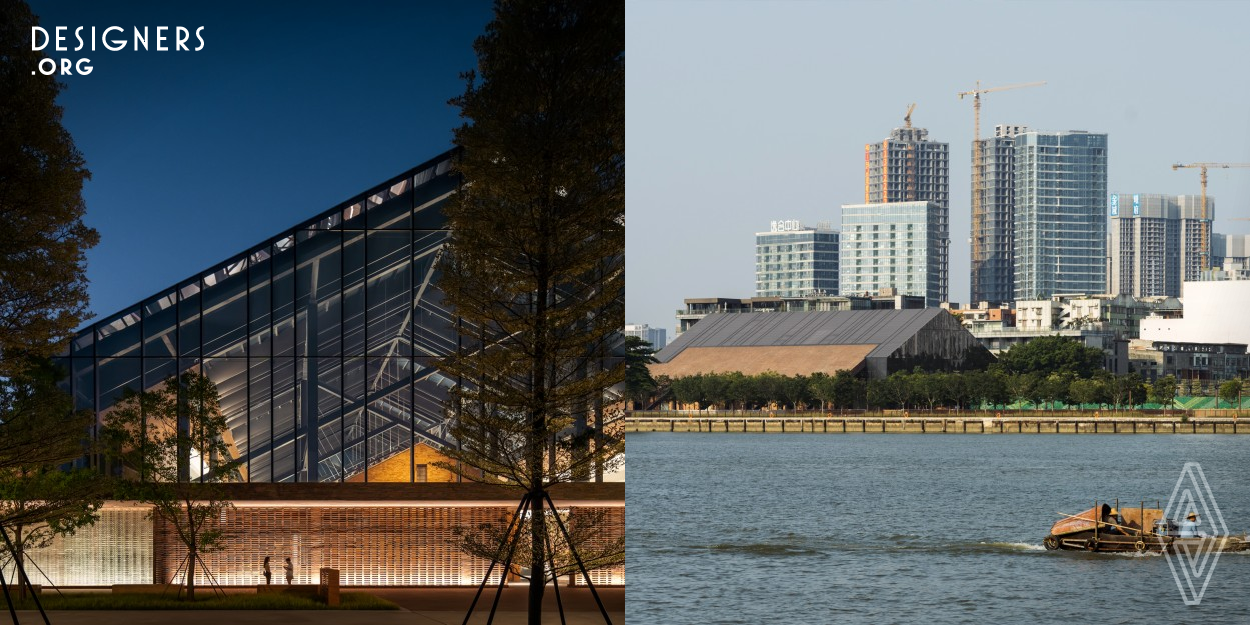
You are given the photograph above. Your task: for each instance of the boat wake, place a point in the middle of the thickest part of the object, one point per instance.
(762, 549)
(894, 544)
(1014, 546)
(900, 544)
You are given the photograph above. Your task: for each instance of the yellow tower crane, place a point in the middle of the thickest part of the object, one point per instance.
(978, 177)
(1206, 223)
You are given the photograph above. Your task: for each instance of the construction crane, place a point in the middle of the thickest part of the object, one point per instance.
(978, 175)
(1206, 224)
(907, 118)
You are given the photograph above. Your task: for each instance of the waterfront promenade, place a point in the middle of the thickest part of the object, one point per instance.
(418, 606)
(967, 423)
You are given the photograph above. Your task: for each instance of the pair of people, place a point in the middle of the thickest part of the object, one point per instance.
(286, 566)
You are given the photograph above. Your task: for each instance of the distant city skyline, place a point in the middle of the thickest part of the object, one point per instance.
(744, 112)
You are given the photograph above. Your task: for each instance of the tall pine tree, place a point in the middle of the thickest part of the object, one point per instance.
(535, 266)
(43, 297)
(43, 241)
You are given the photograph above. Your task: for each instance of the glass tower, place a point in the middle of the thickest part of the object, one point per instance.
(321, 340)
(901, 245)
(1060, 181)
(795, 261)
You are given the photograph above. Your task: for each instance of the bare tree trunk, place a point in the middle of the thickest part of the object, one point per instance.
(193, 555)
(538, 559)
(20, 559)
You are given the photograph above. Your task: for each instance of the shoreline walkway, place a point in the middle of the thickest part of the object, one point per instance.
(419, 606)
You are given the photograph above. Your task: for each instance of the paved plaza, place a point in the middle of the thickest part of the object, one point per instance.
(420, 606)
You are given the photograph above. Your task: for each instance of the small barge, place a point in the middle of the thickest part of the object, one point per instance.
(1142, 530)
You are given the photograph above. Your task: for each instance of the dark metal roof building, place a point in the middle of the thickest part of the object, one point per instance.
(876, 341)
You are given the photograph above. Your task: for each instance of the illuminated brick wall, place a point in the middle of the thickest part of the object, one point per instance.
(614, 526)
(371, 545)
(116, 550)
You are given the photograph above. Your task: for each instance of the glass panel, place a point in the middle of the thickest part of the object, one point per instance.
(351, 215)
(319, 301)
(230, 376)
(119, 336)
(117, 375)
(258, 308)
(429, 200)
(433, 327)
(156, 371)
(225, 314)
(260, 439)
(160, 319)
(84, 344)
(423, 240)
(283, 294)
(388, 420)
(429, 394)
(390, 208)
(353, 293)
(284, 420)
(329, 405)
(388, 292)
(189, 321)
(84, 384)
(353, 420)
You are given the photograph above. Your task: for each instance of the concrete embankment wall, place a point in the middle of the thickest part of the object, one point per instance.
(945, 425)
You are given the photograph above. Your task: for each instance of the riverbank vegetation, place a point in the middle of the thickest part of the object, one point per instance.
(1048, 373)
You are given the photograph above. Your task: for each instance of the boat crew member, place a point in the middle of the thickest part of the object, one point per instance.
(1189, 527)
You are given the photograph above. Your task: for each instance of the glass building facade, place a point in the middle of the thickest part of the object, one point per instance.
(1060, 181)
(901, 245)
(321, 340)
(796, 263)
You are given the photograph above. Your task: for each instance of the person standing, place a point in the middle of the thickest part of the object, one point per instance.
(268, 573)
(290, 571)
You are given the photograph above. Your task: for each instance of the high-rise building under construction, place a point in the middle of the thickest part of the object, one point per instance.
(992, 274)
(906, 246)
(1156, 242)
(907, 167)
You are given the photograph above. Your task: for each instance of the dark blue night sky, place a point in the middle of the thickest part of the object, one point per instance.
(288, 110)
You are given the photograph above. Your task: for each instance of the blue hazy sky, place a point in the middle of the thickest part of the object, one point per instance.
(740, 113)
(289, 109)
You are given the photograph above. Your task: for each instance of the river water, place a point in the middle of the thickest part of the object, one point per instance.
(897, 528)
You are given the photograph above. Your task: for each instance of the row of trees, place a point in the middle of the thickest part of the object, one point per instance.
(43, 297)
(918, 389)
